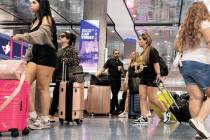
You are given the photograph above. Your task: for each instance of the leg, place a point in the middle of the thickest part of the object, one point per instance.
(44, 76)
(115, 87)
(143, 100)
(126, 101)
(196, 99)
(30, 77)
(54, 103)
(205, 109)
(152, 94)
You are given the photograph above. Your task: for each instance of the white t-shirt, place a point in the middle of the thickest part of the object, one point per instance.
(202, 53)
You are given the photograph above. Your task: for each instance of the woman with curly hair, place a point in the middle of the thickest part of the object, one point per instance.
(193, 42)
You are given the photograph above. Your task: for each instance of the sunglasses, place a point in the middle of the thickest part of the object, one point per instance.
(62, 36)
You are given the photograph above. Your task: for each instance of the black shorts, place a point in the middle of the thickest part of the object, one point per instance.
(148, 81)
(44, 55)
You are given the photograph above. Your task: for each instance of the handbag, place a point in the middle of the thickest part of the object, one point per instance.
(102, 80)
(133, 85)
(76, 74)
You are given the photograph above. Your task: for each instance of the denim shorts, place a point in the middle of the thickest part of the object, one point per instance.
(196, 73)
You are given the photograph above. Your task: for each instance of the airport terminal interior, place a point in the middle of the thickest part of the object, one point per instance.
(120, 24)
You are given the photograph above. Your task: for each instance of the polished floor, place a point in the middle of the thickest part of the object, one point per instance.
(113, 128)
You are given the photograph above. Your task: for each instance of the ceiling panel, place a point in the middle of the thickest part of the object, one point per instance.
(153, 11)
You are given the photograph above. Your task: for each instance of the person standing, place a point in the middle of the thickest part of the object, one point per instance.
(66, 53)
(193, 42)
(42, 62)
(115, 70)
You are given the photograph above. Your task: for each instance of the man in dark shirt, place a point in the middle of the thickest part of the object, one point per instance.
(115, 69)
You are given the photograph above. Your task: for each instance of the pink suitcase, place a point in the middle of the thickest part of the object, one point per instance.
(14, 116)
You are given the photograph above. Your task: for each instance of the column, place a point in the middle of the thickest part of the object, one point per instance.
(97, 10)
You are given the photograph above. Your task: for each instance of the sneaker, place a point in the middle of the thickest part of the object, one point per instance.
(39, 124)
(123, 115)
(166, 116)
(141, 120)
(199, 127)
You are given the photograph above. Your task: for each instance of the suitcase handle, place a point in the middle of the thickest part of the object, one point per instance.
(63, 71)
(14, 93)
(161, 88)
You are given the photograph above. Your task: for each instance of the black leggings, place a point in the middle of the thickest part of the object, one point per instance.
(115, 87)
(55, 99)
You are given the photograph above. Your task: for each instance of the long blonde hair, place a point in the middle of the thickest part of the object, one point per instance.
(146, 53)
(190, 30)
(135, 59)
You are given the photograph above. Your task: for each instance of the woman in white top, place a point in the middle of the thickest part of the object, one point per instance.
(193, 41)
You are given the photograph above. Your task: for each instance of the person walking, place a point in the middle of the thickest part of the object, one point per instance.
(193, 42)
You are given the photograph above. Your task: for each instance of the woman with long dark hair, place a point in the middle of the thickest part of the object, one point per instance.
(193, 41)
(42, 62)
(69, 55)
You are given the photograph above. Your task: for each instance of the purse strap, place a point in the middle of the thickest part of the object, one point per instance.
(14, 93)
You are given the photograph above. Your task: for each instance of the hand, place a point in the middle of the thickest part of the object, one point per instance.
(98, 73)
(158, 77)
(17, 37)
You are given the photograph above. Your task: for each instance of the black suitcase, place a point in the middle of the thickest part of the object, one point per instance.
(134, 106)
(65, 102)
(182, 113)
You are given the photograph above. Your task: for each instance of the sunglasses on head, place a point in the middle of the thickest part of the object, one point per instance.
(62, 36)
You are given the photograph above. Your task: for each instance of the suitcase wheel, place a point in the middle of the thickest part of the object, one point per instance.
(26, 131)
(14, 132)
(61, 121)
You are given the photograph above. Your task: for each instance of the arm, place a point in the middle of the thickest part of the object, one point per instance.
(100, 71)
(41, 36)
(157, 70)
(206, 35)
(71, 57)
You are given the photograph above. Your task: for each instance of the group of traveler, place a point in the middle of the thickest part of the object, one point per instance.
(192, 42)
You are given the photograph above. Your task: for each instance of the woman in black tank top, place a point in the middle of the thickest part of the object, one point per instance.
(43, 59)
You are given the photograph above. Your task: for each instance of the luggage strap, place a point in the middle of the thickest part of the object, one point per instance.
(14, 93)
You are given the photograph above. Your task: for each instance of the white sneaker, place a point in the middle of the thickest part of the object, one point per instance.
(199, 127)
(197, 136)
(123, 115)
(166, 116)
(39, 124)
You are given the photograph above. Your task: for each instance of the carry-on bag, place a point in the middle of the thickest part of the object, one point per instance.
(181, 112)
(71, 98)
(13, 101)
(102, 80)
(166, 98)
(134, 105)
(179, 107)
(14, 93)
(98, 99)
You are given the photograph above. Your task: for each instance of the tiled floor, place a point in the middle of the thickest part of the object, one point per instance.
(105, 128)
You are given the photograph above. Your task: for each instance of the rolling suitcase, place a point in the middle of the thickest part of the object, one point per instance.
(98, 99)
(181, 112)
(166, 98)
(78, 102)
(14, 106)
(71, 98)
(134, 106)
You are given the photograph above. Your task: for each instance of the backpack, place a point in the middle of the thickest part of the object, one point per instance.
(163, 67)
